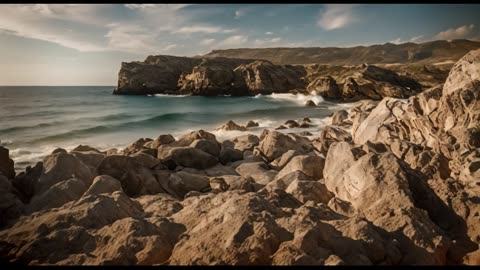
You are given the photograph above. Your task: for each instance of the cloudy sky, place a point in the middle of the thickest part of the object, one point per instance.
(69, 44)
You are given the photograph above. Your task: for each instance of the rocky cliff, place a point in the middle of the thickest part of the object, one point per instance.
(385, 183)
(348, 78)
(423, 53)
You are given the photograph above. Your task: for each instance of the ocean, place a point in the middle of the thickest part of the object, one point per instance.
(35, 120)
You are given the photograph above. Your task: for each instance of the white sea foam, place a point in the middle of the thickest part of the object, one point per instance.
(170, 96)
(299, 99)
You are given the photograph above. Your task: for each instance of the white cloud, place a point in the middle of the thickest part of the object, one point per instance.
(98, 27)
(145, 6)
(268, 33)
(336, 16)
(396, 41)
(233, 41)
(203, 29)
(419, 38)
(130, 38)
(169, 47)
(461, 32)
(208, 41)
(267, 42)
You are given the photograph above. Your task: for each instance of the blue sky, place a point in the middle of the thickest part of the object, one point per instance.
(83, 44)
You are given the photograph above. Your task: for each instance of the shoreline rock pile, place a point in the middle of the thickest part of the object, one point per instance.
(387, 183)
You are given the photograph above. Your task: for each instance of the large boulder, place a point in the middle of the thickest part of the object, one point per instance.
(57, 195)
(274, 144)
(135, 178)
(208, 146)
(306, 190)
(11, 207)
(325, 86)
(259, 171)
(26, 181)
(310, 165)
(180, 183)
(60, 167)
(382, 188)
(104, 184)
(192, 158)
(230, 125)
(6, 163)
(228, 228)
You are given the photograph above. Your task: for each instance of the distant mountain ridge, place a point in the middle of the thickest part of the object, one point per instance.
(388, 53)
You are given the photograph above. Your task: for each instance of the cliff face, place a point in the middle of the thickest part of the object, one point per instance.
(215, 74)
(157, 74)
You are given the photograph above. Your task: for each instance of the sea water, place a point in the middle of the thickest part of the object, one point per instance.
(36, 120)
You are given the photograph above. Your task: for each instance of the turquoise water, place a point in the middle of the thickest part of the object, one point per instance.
(36, 120)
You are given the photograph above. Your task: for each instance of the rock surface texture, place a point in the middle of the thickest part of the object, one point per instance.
(387, 183)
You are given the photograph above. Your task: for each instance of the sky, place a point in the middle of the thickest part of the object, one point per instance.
(84, 44)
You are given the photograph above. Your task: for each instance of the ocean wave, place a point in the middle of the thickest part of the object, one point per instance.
(297, 98)
(111, 117)
(170, 96)
(99, 129)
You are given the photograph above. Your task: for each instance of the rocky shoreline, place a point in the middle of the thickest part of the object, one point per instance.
(386, 183)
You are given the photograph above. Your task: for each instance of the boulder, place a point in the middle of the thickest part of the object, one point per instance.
(339, 116)
(188, 138)
(292, 124)
(230, 125)
(180, 183)
(330, 135)
(207, 146)
(103, 184)
(6, 163)
(145, 160)
(310, 103)
(251, 124)
(311, 166)
(324, 86)
(57, 195)
(25, 182)
(284, 181)
(11, 207)
(85, 148)
(370, 128)
(243, 142)
(281, 161)
(228, 228)
(60, 167)
(382, 188)
(134, 177)
(305, 190)
(258, 171)
(274, 144)
(159, 205)
(228, 155)
(192, 158)
(162, 139)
